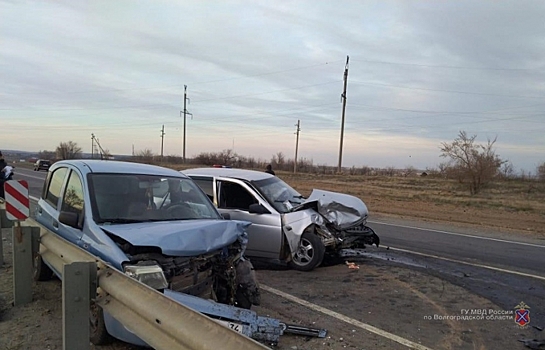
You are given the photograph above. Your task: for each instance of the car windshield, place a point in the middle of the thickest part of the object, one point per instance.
(279, 194)
(130, 198)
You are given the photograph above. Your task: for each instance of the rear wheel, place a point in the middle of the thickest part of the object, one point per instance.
(310, 253)
(41, 272)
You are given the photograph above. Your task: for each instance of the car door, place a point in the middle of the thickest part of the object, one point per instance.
(265, 234)
(62, 191)
(48, 206)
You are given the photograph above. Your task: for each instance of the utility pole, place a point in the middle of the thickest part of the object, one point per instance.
(92, 146)
(185, 112)
(343, 98)
(162, 140)
(298, 125)
(102, 153)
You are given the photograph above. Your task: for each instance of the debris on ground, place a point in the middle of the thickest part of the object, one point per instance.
(352, 265)
(535, 344)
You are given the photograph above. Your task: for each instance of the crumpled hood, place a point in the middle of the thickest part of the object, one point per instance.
(342, 210)
(182, 238)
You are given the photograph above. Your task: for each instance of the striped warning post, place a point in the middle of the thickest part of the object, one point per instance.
(17, 202)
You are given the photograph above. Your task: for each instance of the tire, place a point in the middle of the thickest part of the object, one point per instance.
(310, 253)
(41, 272)
(242, 300)
(97, 328)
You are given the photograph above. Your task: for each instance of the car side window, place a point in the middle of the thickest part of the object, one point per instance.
(55, 186)
(73, 195)
(206, 184)
(234, 196)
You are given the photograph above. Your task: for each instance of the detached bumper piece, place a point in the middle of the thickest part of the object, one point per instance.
(244, 321)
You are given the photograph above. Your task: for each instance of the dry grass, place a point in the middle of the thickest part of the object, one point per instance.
(508, 205)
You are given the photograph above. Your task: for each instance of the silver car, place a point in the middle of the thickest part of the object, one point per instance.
(287, 227)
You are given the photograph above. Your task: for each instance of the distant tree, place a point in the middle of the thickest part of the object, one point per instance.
(68, 150)
(49, 155)
(507, 171)
(278, 160)
(473, 164)
(145, 155)
(540, 171)
(227, 156)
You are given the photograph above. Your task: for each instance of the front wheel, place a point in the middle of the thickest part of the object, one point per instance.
(310, 253)
(41, 272)
(98, 333)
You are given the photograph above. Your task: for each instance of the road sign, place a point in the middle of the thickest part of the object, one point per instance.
(17, 203)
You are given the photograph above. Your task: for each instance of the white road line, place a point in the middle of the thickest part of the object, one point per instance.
(346, 319)
(470, 264)
(460, 234)
(31, 176)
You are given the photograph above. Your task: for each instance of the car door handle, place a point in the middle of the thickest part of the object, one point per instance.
(55, 224)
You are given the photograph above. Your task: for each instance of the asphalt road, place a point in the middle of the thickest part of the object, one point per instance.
(510, 254)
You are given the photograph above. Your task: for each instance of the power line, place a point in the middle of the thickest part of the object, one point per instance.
(178, 85)
(447, 66)
(448, 91)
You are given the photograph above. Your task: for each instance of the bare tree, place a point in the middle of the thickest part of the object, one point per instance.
(68, 150)
(507, 171)
(144, 156)
(540, 171)
(49, 155)
(473, 164)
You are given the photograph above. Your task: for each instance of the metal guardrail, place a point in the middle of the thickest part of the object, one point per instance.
(158, 320)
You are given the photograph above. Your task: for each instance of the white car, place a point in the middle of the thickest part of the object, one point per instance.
(286, 227)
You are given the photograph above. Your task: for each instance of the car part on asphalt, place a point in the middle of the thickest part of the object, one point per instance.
(244, 321)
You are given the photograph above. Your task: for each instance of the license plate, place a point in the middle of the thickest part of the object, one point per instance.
(231, 325)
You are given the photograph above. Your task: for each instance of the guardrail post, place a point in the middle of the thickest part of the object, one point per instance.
(22, 263)
(78, 287)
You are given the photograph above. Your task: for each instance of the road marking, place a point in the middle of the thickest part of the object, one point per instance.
(461, 234)
(346, 319)
(471, 264)
(31, 176)
(34, 198)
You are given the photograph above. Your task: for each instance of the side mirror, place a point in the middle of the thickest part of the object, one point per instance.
(226, 216)
(69, 218)
(257, 208)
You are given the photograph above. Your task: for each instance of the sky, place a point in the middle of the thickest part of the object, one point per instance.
(419, 72)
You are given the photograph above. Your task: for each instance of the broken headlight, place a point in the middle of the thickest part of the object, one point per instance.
(151, 275)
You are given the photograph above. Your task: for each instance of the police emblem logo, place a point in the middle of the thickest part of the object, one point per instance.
(522, 314)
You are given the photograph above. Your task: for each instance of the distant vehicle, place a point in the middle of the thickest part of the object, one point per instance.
(42, 164)
(154, 224)
(286, 226)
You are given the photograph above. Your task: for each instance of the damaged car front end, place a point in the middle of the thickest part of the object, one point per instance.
(339, 220)
(152, 223)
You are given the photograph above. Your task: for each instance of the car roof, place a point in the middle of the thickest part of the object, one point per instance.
(243, 174)
(114, 166)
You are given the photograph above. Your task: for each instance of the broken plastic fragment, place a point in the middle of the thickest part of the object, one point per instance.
(352, 265)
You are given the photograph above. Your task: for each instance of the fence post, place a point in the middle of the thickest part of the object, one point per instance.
(78, 287)
(22, 263)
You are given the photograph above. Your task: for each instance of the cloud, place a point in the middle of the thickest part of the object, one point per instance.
(419, 72)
